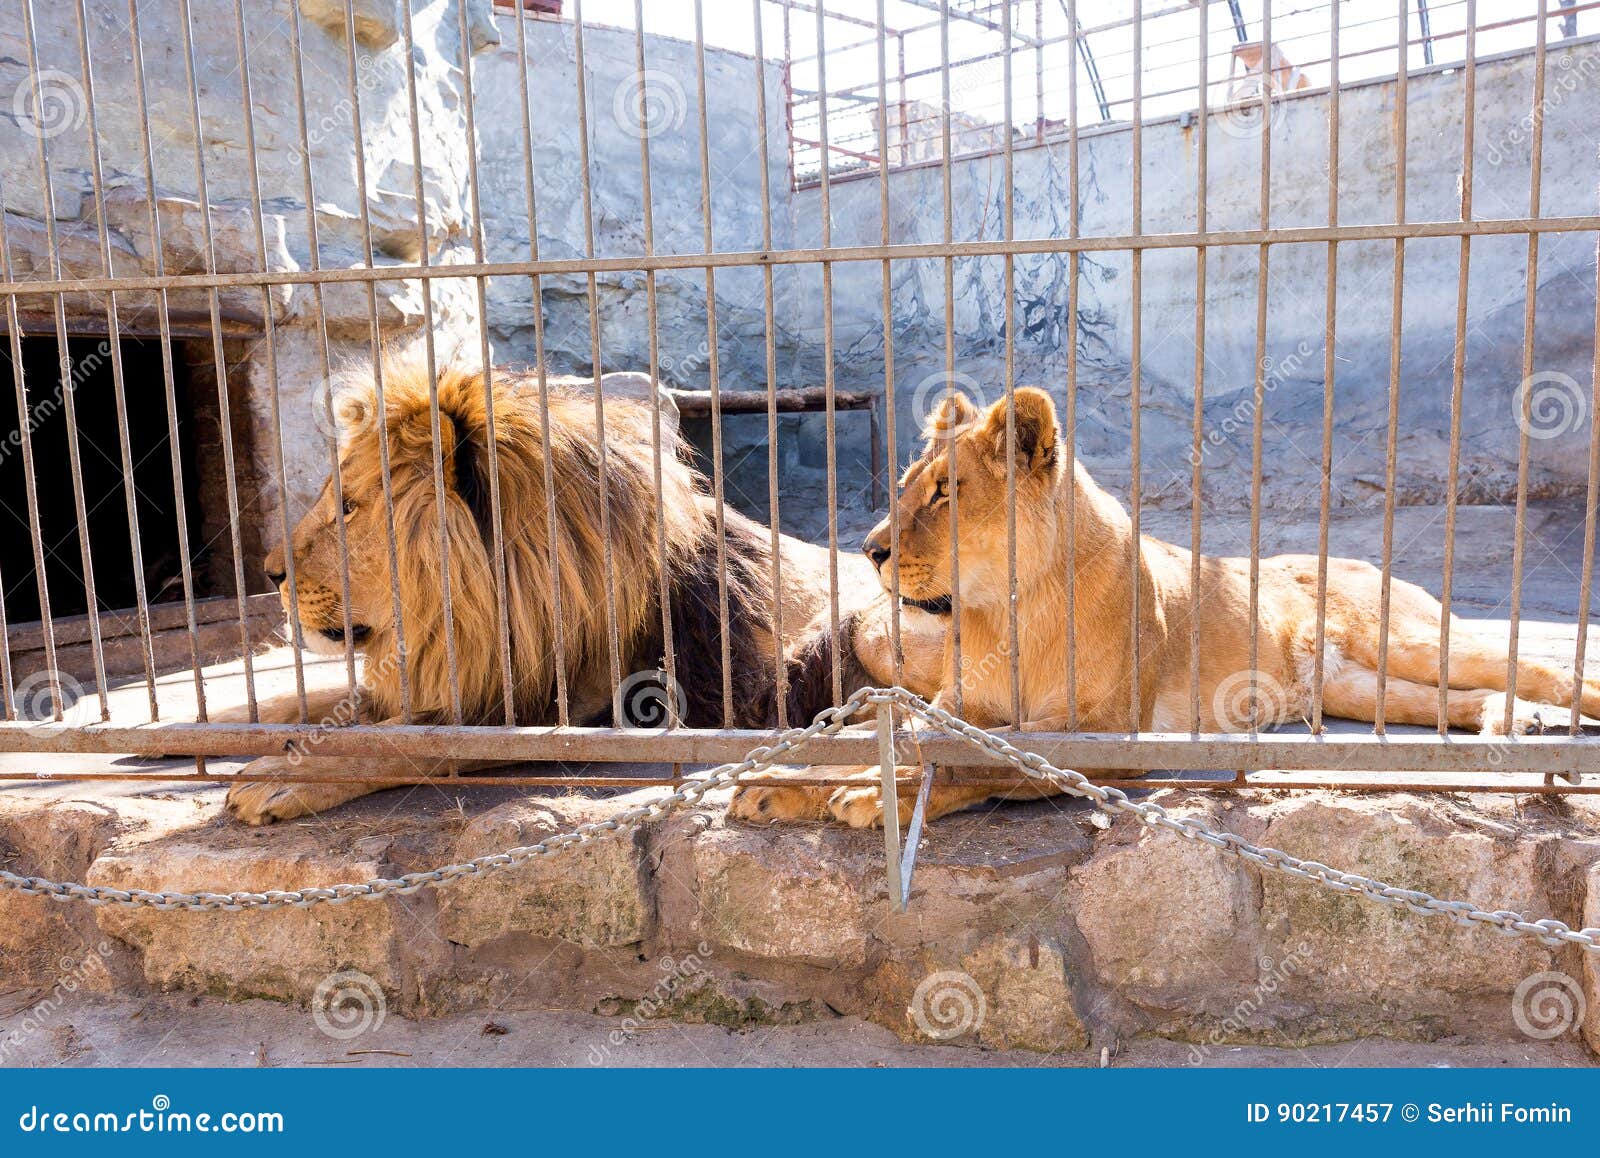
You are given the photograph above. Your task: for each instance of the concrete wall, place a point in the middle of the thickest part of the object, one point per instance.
(389, 195)
(1564, 337)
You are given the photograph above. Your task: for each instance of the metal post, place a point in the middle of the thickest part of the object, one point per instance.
(891, 806)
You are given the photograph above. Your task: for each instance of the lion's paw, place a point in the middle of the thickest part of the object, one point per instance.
(778, 805)
(863, 807)
(1526, 718)
(259, 802)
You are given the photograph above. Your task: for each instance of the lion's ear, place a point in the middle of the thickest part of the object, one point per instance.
(954, 414)
(1035, 427)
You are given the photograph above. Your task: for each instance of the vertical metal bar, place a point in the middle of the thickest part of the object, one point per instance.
(1329, 366)
(1197, 453)
(1535, 209)
(375, 337)
(892, 474)
(218, 356)
(1396, 337)
(1136, 360)
(490, 433)
(114, 342)
(824, 177)
(552, 538)
(950, 353)
(905, 106)
(269, 345)
(713, 367)
(1458, 371)
(1038, 69)
(1071, 439)
(313, 247)
(1260, 396)
(1009, 223)
(68, 385)
(780, 672)
(430, 354)
(163, 315)
(651, 320)
(613, 636)
(890, 797)
(1591, 503)
(30, 487)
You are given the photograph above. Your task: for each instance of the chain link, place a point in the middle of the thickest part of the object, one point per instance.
(1110, 800)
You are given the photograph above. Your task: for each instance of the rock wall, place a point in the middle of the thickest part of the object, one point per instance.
(1564, 333)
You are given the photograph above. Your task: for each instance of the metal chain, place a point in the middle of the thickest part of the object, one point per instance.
(1111, 800)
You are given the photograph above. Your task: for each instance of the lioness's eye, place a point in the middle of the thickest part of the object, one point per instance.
(349, 507)
(942, 489)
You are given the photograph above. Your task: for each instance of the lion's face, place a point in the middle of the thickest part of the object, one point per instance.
(971, 444)
(319, 571)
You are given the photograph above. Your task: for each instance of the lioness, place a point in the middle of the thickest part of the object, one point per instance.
(1104, 612)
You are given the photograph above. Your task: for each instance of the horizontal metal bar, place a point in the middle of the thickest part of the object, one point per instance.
(1517, 226)
(1159, 751)
(598, 779)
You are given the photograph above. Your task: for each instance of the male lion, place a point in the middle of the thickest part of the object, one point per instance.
(1167, 603)
(686, 539)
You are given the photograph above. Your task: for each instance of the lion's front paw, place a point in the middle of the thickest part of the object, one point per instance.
(267, 802)
(773, 805)
(863, 807)
(1526, 718)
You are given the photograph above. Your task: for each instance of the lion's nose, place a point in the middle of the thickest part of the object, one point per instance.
(877, 551)
(276, 578)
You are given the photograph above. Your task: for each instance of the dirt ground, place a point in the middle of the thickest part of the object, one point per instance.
(185, 1031)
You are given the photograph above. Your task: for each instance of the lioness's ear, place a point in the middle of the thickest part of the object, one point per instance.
(954, 414)
(1035, 427)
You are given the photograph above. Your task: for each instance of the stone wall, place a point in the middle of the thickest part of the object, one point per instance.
(1564, 334)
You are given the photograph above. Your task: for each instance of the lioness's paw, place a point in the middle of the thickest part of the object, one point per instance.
(1526, 718)
(765, 805)
(267, 802)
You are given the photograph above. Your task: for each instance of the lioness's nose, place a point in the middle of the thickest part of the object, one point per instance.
(877, 550)
(276, 578)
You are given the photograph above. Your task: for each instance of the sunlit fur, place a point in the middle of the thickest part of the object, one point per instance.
(967, 452)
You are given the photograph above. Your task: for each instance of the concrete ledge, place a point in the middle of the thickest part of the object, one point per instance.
(1028, 928)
